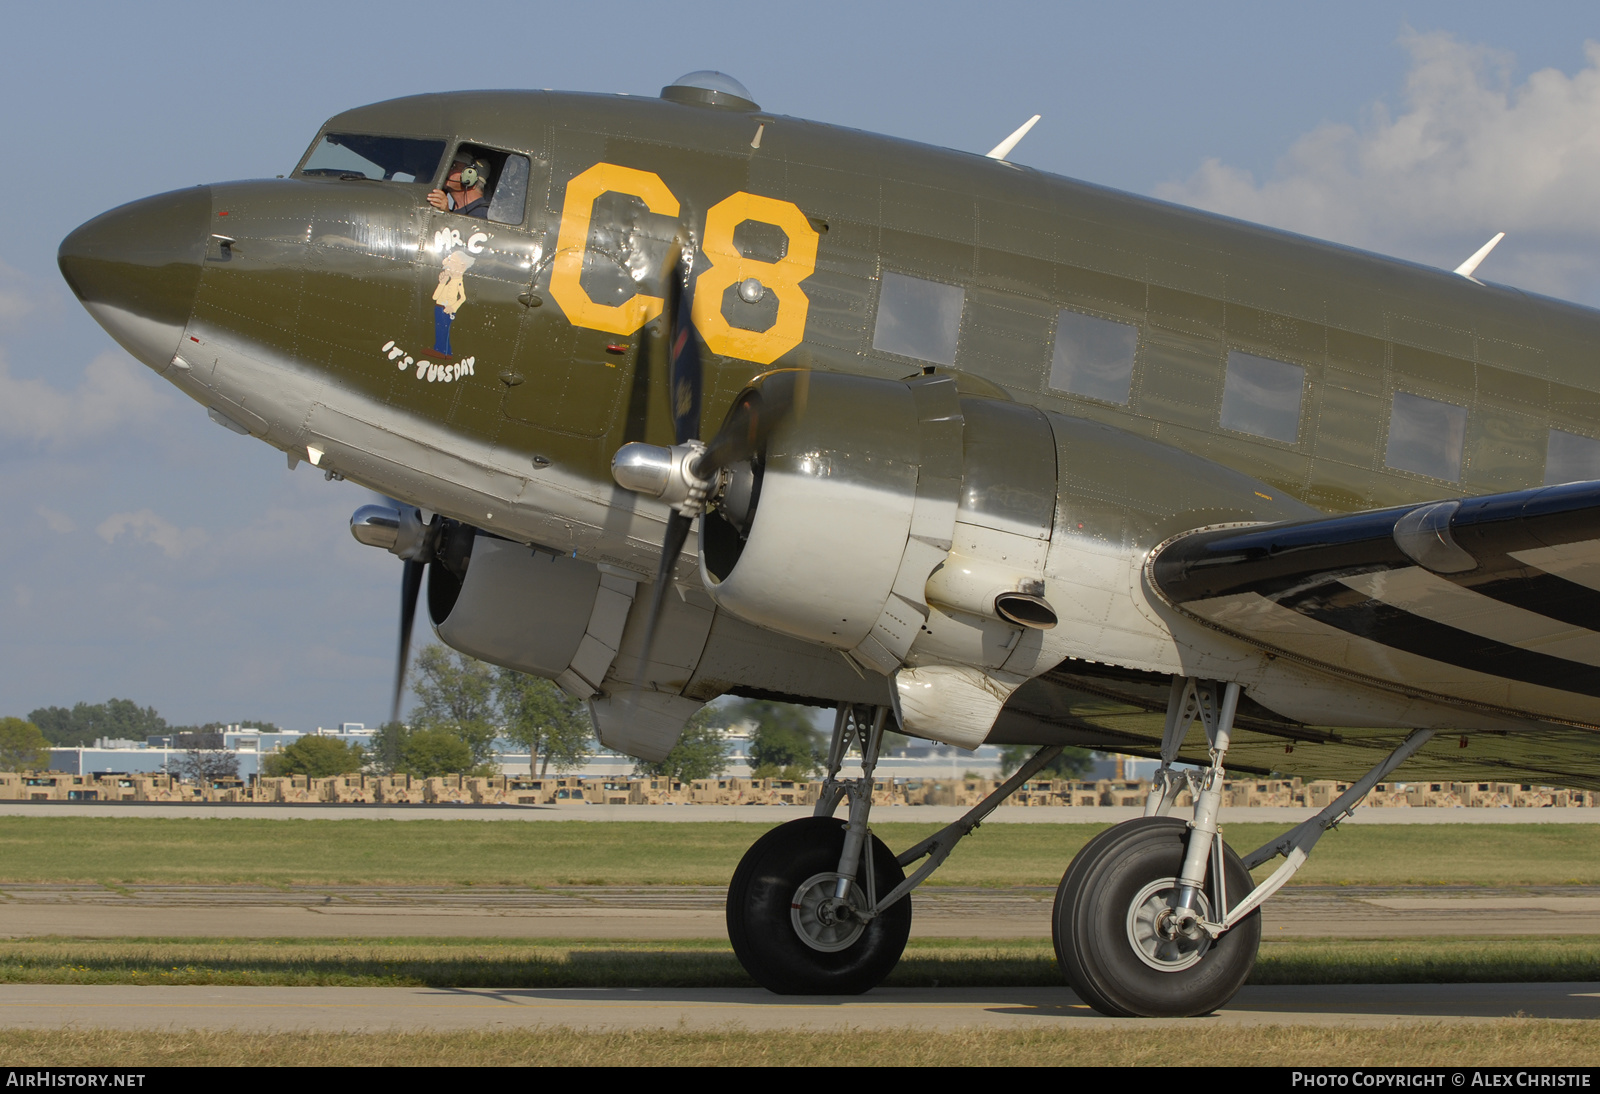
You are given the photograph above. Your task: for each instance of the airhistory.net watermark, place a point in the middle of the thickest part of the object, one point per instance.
(61, 1077)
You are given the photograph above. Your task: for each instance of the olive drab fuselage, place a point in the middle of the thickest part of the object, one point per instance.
(817, 214)
(490, 369)
(1006, 457)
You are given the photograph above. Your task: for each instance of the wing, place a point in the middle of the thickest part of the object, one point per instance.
(1120, 710)
(1489, 603)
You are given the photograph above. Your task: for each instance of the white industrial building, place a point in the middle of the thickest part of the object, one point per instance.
(160, 754)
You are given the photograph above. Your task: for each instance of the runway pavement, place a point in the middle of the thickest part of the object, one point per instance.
(765, 814)
(673, 912)
(666, 913)
(262, 1009)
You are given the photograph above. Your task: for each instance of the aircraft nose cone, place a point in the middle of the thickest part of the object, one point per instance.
(136, 269)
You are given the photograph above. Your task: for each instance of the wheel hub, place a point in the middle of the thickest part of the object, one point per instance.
(821, 919)
(1167, 939)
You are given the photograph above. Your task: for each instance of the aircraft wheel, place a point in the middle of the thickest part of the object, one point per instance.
(1108, 927)
(790, 933)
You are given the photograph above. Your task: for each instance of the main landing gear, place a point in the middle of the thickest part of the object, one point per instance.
(821, 906)
(1144, 923)
(1146, 919)
(803, 910)
(792, 929)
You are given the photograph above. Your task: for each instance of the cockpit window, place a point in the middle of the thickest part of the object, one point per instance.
(387, 159)
(505, 184)
(511, 193)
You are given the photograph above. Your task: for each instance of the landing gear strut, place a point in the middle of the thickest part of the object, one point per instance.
(1149, 918)
(1159, 917)
(1134, 910)
(790, 928)
(820, 906)
(804, 914)
(1124, 946)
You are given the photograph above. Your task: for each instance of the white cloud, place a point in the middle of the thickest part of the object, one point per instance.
(56, 520)
(146, 527)
(114, 392)
(17, 296)
(1469, 154)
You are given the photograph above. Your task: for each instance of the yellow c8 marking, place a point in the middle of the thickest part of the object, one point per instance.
(782, 278)
(577, 210)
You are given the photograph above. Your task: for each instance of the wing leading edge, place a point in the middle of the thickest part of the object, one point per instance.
(1491, 601)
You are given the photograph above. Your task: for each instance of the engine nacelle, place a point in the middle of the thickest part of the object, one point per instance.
(845, 512)
(546, 615)
(871, 499)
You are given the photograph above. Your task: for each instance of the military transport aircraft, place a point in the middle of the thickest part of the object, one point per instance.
(968, 449)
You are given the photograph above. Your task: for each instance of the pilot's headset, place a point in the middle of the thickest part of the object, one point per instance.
(475, 171)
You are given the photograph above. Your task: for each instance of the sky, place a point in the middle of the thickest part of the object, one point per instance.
(147, 554)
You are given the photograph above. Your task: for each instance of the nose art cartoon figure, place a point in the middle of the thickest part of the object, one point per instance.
(447, 300)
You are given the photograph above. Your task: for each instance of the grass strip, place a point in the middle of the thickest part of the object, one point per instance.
(216, 851)
(950, 963)
(1506, 1043)
(1443, 960)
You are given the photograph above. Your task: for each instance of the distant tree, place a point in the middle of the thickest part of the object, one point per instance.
(426, 753)
(553, 727)
(456, 695)
(58, 726)
(783, 741)
(85, 722)
(700, 753)
(893, 740)
(316, 757)
(1073, 762)
(218, 727)
(388, 744)
(22, 746)
(206, 765)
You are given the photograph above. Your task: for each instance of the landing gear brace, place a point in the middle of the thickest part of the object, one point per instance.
(1142, 921)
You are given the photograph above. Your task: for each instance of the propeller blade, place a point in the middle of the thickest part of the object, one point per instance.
(678, 527)
(683, 363)
(738, 439)
(684, 373)
(410, 586)
(744, 431)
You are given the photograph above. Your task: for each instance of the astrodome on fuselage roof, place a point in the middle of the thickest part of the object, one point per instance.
(710, 87)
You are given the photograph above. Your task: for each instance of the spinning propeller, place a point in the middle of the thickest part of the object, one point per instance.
(692, 473)
(399, 529)
(410, 587)
(689, 476)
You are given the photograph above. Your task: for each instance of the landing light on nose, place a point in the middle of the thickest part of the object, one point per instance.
(136, 269)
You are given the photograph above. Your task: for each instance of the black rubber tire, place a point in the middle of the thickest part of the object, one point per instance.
(1066, 954)
(764, 937)
(1090, 926)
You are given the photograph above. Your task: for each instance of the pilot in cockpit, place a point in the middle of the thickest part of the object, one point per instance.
(464, 187)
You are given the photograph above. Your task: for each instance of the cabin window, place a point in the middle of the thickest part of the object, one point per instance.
(1426, 436)
(1571, 457)
(1262, 397)
(918, 318)
(1093, 357)
(387, 159)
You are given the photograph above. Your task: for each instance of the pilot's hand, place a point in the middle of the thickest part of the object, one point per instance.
(437, 199)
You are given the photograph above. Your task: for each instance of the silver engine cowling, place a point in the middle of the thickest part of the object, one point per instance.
(869, 500)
